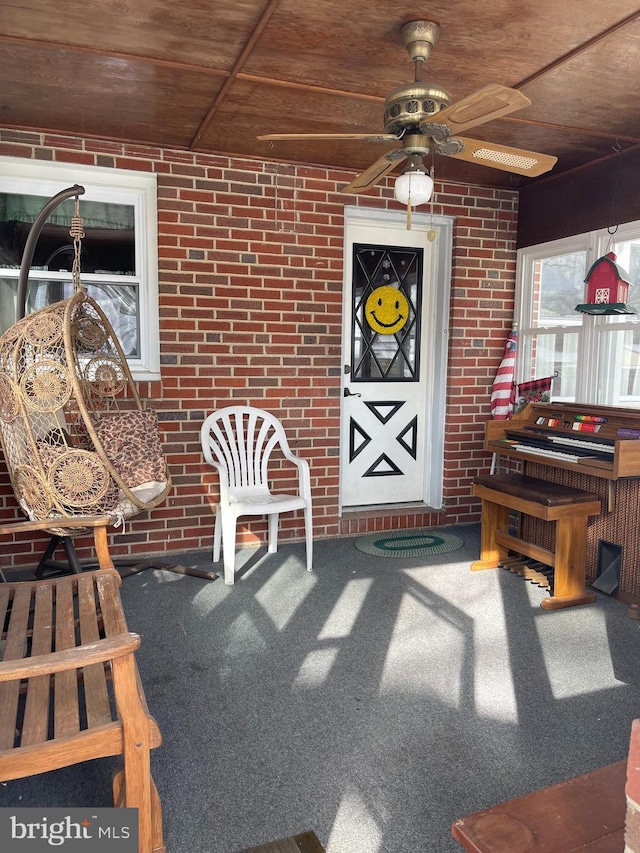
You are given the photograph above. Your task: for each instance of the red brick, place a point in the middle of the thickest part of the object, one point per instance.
(269, 331)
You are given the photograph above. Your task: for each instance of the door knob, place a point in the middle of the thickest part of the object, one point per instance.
(349, 393)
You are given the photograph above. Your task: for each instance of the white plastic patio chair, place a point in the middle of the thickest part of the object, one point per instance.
(238, 441)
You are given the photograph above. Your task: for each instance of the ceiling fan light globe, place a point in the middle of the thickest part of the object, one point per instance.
(414, 185)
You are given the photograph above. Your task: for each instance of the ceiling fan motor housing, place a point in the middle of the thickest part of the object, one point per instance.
(411, 104)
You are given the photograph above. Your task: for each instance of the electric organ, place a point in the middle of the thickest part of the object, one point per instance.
(563, 447)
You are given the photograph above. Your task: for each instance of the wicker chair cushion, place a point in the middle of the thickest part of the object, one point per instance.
(131, 442)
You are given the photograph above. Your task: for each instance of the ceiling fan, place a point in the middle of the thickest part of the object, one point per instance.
(422, 118)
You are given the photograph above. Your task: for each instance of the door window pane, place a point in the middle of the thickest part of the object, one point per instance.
(387, 293)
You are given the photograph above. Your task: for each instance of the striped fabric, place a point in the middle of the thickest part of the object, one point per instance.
(503, 388)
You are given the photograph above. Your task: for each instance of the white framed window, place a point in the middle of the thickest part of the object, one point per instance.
(594, 357)
(119, 251)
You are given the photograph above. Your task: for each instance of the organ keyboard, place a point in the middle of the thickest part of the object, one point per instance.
(603, 441)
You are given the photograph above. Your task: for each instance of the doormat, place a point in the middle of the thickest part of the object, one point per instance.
(408, 543)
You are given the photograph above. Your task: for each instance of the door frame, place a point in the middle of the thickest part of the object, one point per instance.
(435, 319)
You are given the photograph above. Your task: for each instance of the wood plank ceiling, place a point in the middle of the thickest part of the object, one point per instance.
(212, 76)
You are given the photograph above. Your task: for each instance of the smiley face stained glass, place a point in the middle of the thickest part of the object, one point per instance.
(386, 308)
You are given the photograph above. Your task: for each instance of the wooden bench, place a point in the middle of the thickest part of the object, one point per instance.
(586, 814)
(70, 690)
(567, 507)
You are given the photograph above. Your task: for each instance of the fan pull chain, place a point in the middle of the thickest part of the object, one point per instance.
(76, 231)
(431, 233)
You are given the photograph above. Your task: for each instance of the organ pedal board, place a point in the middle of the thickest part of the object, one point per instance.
(531, 570)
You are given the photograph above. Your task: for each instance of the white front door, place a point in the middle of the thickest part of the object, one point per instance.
(387, 403)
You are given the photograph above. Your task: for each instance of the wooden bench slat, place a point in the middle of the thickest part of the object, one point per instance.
(9, 703)
(112, 615)
(115, 622)
(66, 711)
(5, 594)
(36, 715)
(97, 702)
(14, 650)
(61, 752)
(75, 522)
(100, 742)
(18, 625)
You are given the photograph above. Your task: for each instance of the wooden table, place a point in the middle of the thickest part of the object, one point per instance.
(585, 813)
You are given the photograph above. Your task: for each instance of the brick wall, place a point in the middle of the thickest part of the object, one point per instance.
(250, 282)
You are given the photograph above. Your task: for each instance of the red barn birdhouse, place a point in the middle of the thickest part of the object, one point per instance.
(607, 291)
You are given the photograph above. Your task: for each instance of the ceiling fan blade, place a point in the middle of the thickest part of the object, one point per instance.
(516, 160)
(373, 137)
(376, 171)
(490, 102)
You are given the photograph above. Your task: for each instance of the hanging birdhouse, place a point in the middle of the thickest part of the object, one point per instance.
(607, 290)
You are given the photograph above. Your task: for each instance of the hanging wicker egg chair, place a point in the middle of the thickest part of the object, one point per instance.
(76, 437)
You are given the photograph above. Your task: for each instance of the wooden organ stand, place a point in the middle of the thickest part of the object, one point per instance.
(579, 468)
